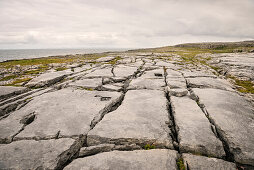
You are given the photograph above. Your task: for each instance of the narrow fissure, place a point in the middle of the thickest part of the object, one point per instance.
(173, 128)
(214, 128)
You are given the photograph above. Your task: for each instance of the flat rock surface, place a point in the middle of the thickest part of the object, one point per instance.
(47, 79)
(195, 162)
(66, 112)
(103, 72)
(234, 119)
(208, 82)
(140, 119)
(30, 154)
(153, 80)
(87, 83)
(124, 71)
(132, 160)
(194, 130)
(8, 91)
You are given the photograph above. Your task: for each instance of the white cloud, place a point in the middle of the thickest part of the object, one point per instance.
(116, 23)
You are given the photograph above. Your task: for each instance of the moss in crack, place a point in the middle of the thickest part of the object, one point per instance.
(148, 147)
(180, 164)
(114, 61)
(61, 68)
(85, 88)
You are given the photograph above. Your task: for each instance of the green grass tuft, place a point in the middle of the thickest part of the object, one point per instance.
(148, 147)
(180, 164)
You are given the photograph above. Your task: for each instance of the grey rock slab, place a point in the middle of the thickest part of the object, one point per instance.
(82, 68)
(189, 74)
(140, 119)
(92, 150)
(47, 79)
(30, 154)
(13, 103)
(173, 74)
(153, 79)
(208, 82)
(129, 160)
(87, 83)
(8, 91)
(142, 83)
(100, 72)
(233, 116)
(195, 162)
(111, 87)
(194, 130)
(66, 112)
(176, 82)
(124, 71)
(177, 92)
(153, 74)
(165, 64)
(105, 59)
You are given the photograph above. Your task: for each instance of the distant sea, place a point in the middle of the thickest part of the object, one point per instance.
(16, 54)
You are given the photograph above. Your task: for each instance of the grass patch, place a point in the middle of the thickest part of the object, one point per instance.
(180, 164)
(60, 68)
(19, 81)
(49, 60)
(148, 147)
(246, 86)
(29, 72)
(8, 78)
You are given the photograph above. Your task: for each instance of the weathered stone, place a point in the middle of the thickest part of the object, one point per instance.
(8, 91)
(240, 65)
(92, 150)
(66, 112)
(142, 83)
(30, 154)
(124, 71)
(153, 80)
(140, 119)
(176, 92)
(208, 82)
(176, 83)
(103, 72)
(129, 160)
(173, 74)
(194, 130)
(195, 162)
(191, 74)
(88, 83)
(105, 59)
(111, 87)
(47, 79)
(153, 74)
(234, 120)
(165, 64)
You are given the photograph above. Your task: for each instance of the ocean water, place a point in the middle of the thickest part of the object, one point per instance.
(16, 54)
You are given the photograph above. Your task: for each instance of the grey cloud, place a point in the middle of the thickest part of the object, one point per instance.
(114, 23)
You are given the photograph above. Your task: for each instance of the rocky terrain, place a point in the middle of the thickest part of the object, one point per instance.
(141, 109)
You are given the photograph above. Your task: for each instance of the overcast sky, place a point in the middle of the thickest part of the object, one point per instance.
(122, 23)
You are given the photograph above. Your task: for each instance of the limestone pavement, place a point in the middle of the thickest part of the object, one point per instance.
(138, 113)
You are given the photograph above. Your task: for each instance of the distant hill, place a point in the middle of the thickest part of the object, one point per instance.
(218, 45)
